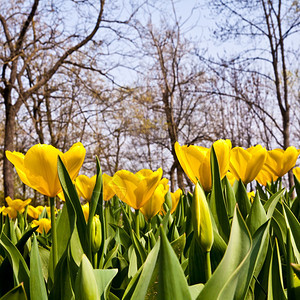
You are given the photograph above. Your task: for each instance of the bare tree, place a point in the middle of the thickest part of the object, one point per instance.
(169, 95)
(265, 29)
(25, 38)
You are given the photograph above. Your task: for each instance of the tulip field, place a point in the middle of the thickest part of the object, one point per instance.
(235, 235)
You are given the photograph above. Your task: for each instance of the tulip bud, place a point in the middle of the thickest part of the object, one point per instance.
(168, 200)
(96, 234)
(203, 230)
(18, 233)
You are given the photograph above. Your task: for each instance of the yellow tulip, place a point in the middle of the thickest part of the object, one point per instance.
(246, 164)
(265, 175)
(195, 161)
(280, 161)
(86, 211)
(202, 224)
(136, 189)
(34, 212)
(15, 206)
(108, 191)
(175, 199)
(296, 172)
(251, 195)
(230, 177)
(85, 186)
(44, 225)
(153, 206)
(38, 167)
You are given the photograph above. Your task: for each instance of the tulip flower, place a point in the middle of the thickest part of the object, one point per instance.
(108, 191)
(203, 230)
(246, 164)
(175, 199)
(85, 186)
(153, 206)
(201, 219)
(38, 167)
(265, 176)
(136, 189)
(195, 161)
(15, 206)
(231, 178)
(86, 211)
(34, 212)
(296, 172)
(96, 234)
(44, 225)
(251, 195)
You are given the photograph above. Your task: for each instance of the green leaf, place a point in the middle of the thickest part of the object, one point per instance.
(178, 245)
(146, 276)
(64, 276)
(86, 286)
(6, 271)
(110, 255)
(97, 194)
(294, 226)
(254, 264)
(275, 286)
(19, 266)
(172, 284)
(242, 199)
(271, 204)
(103, 279)
(224, 281)
(121, 236)
(230, 199)
(257, 215)
(71, 197)
(195, 290)
(293, 290)
(217, 203)
(133, 267)
(37, 284)
(140, 250)
(297, 186)
(17, 293)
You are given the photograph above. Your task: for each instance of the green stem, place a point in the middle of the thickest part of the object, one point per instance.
(148, 225)
(207, 266)
(95, 258)
(53, 232)
(137, 223)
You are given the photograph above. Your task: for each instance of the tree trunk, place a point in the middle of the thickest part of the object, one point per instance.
(9, 133)
(173, 135)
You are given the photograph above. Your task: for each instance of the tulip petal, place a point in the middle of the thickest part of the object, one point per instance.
(73, 159)
(223, 149)
(175, 199)
(85, 186)
(41, 169)
(255, 163)
(17, 159)
(153, 206)
(296, 172)
(187, 156)
(108, 191)
(239, 158)
(146, 188)
(289, 159)
(124, 185)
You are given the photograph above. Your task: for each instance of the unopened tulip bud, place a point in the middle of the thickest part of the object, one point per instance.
(168, 200)
(96, 234)
(203, 229)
